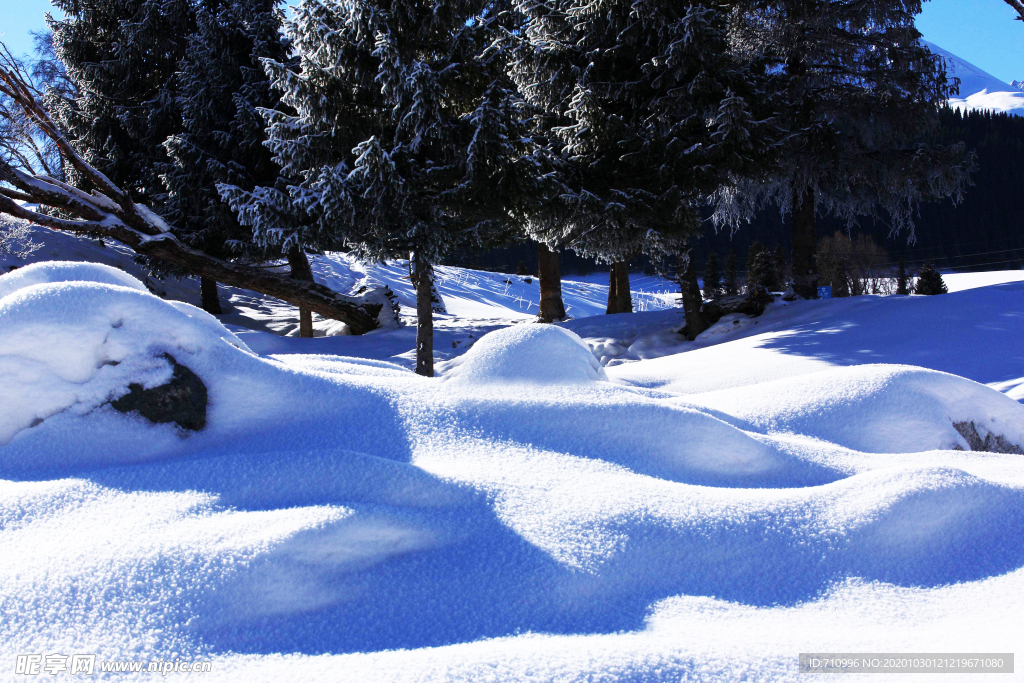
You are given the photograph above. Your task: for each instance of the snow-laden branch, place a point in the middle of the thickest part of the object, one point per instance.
(109, 211)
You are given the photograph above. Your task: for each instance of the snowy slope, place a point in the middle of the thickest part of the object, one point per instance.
(979, 90)
(530, 515)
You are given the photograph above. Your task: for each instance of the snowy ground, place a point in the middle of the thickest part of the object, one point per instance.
(598, 500)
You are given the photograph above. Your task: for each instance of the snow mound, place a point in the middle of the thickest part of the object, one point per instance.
(874, 408)
(47, 272)
(530, 354)
(75, 346)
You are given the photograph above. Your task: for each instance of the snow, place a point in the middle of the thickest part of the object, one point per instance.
(872, 408)
(66, 271)
(958, 282)
(972, 333)
(597, 500)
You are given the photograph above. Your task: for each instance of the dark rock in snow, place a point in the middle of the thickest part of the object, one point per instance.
(181, 401)
(992, 443)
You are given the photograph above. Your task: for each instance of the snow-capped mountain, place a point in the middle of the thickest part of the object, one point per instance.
(979, 90)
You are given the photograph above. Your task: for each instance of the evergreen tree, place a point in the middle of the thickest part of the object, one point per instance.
(121, 57)
(929, 281)
(779, 264)
(642, 109)
(754, 264)
(730, 284)
(712, 279)
(862, 96)
(902, 280)
(404, 139)
(762, 271)
(221, 86)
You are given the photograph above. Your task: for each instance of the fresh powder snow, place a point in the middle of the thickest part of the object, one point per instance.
(595, 500)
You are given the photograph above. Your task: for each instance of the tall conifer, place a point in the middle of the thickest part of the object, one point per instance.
(861, 100)
(402, 139)
(641, 110)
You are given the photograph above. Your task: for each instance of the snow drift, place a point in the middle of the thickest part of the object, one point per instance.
(48, 272)
(528, 516)
(874, 408)
(534, 354)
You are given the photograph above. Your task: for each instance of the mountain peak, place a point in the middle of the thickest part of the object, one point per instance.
(979, 90)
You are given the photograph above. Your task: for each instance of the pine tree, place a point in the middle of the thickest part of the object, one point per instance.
(862, 96)
(221, 86)
(404, 139)
(730, 284)
(122, 57)
(641, 110)
(712, 280)
(762, 271)
(929, 281)
(779, 265)
(754, 265)
(902, 280)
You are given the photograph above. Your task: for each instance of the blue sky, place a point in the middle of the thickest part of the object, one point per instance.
(982, 32)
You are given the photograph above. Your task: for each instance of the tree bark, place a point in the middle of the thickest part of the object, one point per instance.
(208, 294)
(805, 239)
(301, 270)
(693, 302)
(423, 280)
(552, 308)
(613, 299)
(622, 291)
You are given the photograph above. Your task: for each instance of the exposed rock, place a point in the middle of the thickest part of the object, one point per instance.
(992, 443)
(181, 401)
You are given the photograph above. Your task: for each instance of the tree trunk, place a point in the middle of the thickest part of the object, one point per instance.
(805, 239)
(622, 291)
(301, 270)
(208, 294)
(551, 306)
(423, 280)
(613, 299)
(693, 302)
(805, 233)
